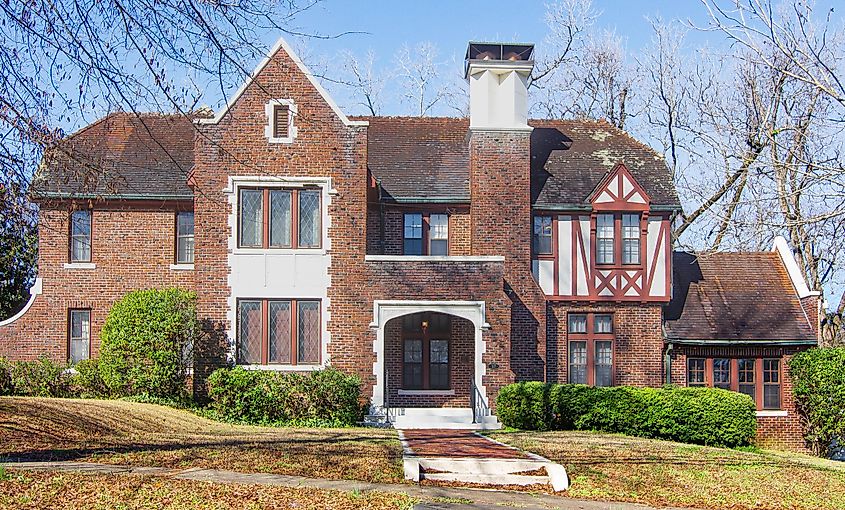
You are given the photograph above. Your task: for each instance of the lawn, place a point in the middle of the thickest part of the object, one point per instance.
(118, 432)
(37, 490)
(662, 473)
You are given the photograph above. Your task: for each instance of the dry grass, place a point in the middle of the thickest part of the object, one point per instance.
(37, 490)
(661, 473)
(117, 432)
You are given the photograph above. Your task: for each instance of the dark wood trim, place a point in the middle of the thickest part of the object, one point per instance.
(734, 382)
(591, 337)
(425, 337)
(425, 236)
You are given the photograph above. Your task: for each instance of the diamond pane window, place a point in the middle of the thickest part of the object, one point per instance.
(604, 239)
(80, 335)
(80, 236)
(309, 219)
(249, 332)
(578, 362)
(439, 364)
(252, 218)
(412, 374)
(630, 238)
(604, 363)
(438, 238)
(280, 323)
(308, 332)
(280, 218)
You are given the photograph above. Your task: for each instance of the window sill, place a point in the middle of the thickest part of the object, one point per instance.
(432, 393)
(772, 413)
(278, 251)
(283, 368)
(80, 265)
(182, 267)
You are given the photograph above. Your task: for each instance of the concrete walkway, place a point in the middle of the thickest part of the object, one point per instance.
(430, 497)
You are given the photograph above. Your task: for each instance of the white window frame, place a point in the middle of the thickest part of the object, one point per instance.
(270, 111)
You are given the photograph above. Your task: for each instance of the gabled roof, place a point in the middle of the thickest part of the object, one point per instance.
(734, 297)
(428, 158)
(122, 154)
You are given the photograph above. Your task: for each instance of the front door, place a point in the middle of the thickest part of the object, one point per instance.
(425, 351)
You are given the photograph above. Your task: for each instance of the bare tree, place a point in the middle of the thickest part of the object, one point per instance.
(420, 80)
(367, 84)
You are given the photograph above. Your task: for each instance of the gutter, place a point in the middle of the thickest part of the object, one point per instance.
(426, 200)
(588, 207)
(680, 341)
(96, 196)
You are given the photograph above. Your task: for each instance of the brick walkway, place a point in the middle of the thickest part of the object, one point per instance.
(457, 443)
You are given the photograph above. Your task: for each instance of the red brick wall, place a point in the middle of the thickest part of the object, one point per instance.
(637, 344)
(811, 306)
(782, 432)
(500, 190)
(132, 248)
(459, 229)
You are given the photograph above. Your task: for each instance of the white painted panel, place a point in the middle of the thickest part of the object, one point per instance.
(626, 186)
(547, 276)
(631, 292)
(583, 288)
(637, 198)
(606, 292)
(604, 196)
(613, 186)
(658, 282)
(535, 270)
(564, 250)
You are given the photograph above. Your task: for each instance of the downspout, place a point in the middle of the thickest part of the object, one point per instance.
(667, 363)
(381, 217)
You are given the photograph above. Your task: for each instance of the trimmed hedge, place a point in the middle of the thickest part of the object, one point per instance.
(41, 378)
(707, 416)
(88, 382)
(321, 398)
(818, 384)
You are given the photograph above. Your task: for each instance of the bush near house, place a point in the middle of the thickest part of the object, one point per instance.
(146, 342)
(41, 378)
(321, 398)
(707, 416)
(88, 382)
(6, 387)
(818, 385)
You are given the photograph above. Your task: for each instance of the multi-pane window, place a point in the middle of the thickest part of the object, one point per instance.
(771, 384)
(695, 372)
(426, 357)
(438, 234)
(543, 235)
(185, 238)
(722, 373)
(760, 379)
(279, 218)
(79, 330)
(412, 368)
(425, 234)
(439, 364)
(278, 331)
(630, 238)
(80, 236)
(590, 348)
(604, 239)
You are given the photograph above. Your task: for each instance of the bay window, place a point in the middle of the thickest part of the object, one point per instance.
(279, 332)
(759, 378)
(279, 218)
(590, 348)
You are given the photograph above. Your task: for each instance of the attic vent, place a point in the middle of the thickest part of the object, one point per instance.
(281, 121)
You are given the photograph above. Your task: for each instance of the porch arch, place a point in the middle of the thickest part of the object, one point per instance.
(386, 310)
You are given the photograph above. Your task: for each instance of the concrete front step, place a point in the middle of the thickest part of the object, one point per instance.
(487, 479)
(486, 471)
(441, 418)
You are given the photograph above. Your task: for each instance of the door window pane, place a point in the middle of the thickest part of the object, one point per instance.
(249, 332)
(604, 239)
(280, 218)
(577, 323)
(412, 366)
(309, 219)
(603, 323)
(80, 335)
(604, 363)
(722, 373)
(630, 238)
(578, 362)
(308, 332)
(771, 384)
(438, 234)
(543, 235)
(252, 226)
(438, 374)
(413, 234)
(280, 322)
(80, 236)
(185, 238)
(695, 372)
(745, 377)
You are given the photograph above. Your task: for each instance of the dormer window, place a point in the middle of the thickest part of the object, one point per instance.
(280, 126)
(604, 239)
(630, 238)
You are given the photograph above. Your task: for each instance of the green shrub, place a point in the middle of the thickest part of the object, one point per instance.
(692, 415)
(41, 378)
(88, 382)
(6, 387)
(146, 342)
(818, 385)
(320, 398)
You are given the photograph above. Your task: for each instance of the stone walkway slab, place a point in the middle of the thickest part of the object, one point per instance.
(456, 443)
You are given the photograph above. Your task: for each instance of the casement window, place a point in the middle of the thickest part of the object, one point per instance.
(590, 348)
(425, 234)
(279, 218)
(185, 238)
(630, 238)
(279, 332)
(543, 235)
(425, 352)
(79, 335)
(80, 236)
(604, 239)
(759, 378)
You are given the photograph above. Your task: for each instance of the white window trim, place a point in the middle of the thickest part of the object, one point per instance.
(772, 413)
(80, 265)
(285, 368)
(269, 110)
(182, 267)
(427, 392)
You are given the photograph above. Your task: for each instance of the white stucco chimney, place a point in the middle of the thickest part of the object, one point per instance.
(498, 85)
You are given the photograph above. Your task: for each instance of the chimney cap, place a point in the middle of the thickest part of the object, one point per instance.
(498, 52)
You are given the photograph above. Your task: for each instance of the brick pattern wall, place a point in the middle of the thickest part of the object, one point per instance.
(637, 344)
(459, 229)
(500, 190)
(462, 370)
(132, 247)
(782, 432)
(811, 306)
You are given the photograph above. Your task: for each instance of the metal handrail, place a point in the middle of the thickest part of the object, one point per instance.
(479, 407)
(386, 405)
